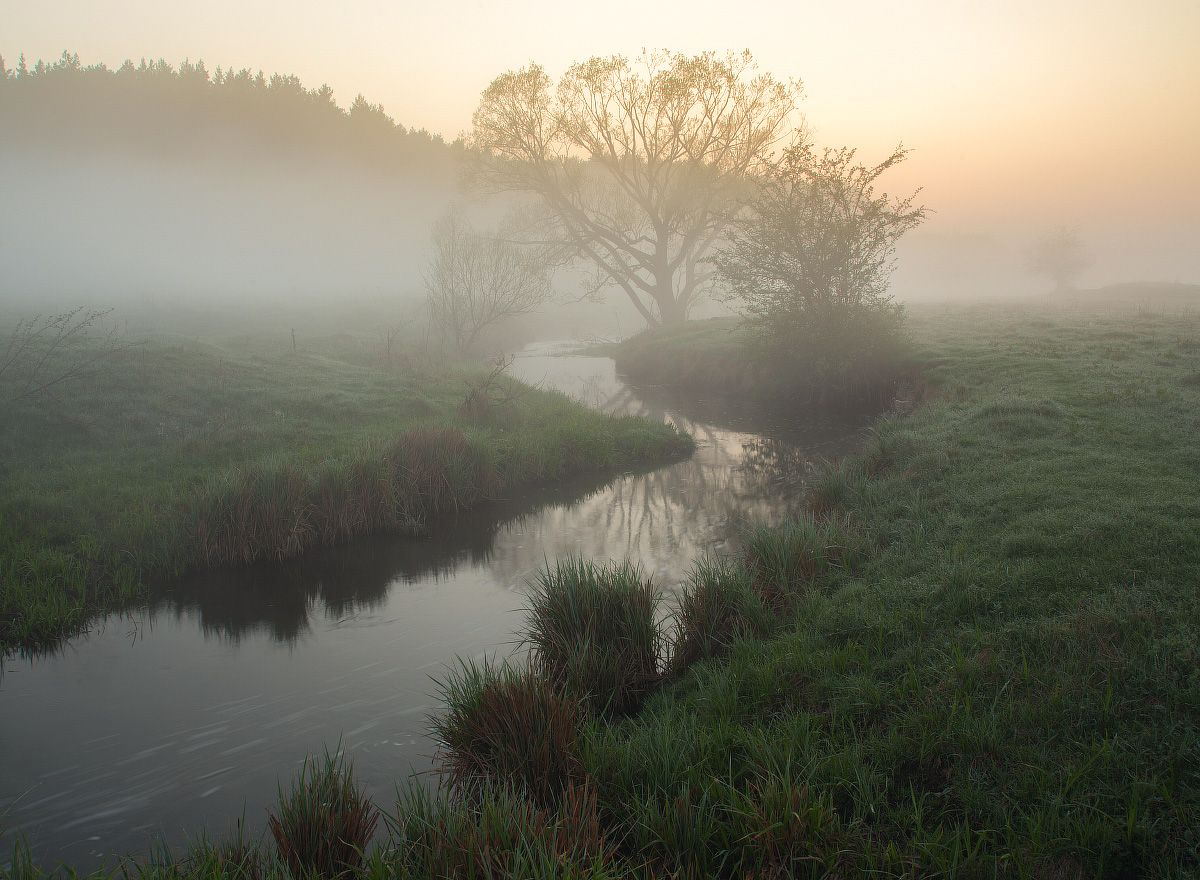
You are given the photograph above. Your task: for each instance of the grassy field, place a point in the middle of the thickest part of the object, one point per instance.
(177, 453)
(977, 657)
(1003, 680)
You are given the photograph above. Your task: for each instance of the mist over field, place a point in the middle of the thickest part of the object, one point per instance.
(163, 191)
(541, 454)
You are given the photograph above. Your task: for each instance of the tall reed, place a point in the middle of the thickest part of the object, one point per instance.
(322, 826)
(507, 726)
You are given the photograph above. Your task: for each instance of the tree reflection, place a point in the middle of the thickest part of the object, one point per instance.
(751, 464)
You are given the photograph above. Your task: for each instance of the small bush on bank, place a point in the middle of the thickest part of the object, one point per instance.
(809, 269)
(592, 633)
(323, 825)
(507, 726)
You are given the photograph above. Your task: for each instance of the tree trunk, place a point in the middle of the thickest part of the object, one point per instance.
(670, 310)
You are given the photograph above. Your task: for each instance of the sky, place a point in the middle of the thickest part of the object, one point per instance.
(1021, 115)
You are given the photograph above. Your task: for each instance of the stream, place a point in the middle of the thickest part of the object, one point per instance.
(184, 715)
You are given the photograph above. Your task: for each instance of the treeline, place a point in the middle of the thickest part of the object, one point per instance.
(177, 187)
(153, 106)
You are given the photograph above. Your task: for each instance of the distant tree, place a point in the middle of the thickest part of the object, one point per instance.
(474, 282)
(1061, 256)
(809, 265)
(636, 165)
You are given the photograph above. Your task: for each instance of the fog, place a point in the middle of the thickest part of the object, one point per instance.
(155, 192)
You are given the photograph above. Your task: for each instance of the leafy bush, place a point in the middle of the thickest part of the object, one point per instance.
(810, 265)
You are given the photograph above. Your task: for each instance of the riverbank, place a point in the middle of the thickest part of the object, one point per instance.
(180, 454)
(720, 356)
(979, 658)
(1003, 682)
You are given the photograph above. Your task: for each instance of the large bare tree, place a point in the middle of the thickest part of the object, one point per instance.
(636, 165)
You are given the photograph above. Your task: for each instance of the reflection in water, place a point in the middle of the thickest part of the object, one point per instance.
(186, 714)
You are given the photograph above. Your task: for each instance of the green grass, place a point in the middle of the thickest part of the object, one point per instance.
(181, 454)
(986, 665)
(592, 633)
(723, 355)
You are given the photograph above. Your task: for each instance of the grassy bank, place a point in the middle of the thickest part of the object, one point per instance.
(720, 355)
(975, 658)
(177, 454)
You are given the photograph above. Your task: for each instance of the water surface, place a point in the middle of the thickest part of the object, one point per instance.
(186, 714)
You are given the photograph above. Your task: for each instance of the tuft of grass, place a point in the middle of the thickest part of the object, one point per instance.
(323, 825)
(592, 632)
(507, 726)
(834, 486)
(783, 561)
(498, 834)
(717, 607)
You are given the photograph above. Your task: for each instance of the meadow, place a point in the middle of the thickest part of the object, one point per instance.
(975, 655)
(177, 453)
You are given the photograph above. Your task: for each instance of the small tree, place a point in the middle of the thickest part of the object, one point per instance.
(1061, 256)
(474, 282)
(809, 266)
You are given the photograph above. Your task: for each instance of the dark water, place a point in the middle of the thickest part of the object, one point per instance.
(187, 714)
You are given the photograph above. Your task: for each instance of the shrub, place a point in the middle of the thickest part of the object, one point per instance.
(592, 632)
(810, 265)
(323, 825)
(507, 726)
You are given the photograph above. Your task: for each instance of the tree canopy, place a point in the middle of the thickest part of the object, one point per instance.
(636, 164)
(153, 105)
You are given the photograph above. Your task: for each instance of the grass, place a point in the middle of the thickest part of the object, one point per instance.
(592, 633)
(718, 606)
(985, 666)
(323, 825)
(722, 355)
(507, 727)
(183, 454)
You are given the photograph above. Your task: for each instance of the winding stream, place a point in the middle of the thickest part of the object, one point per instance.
(187, 714)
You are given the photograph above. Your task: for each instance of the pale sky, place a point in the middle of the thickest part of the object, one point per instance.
(1022, 114)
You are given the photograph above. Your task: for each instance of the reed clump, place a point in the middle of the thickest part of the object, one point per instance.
(784, 560)
(323, 825)
(505, 725)
(592, 632)
(717, 607)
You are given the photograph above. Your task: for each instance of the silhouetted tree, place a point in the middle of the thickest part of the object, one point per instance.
(474, 282)
(809, 266)
(1061, 256)
(636, 164)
